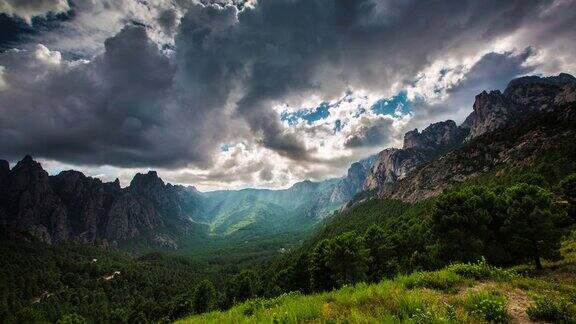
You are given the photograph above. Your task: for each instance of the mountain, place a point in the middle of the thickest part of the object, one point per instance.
(73, 207)
(293, 209)
(532, 114)
(393, 164)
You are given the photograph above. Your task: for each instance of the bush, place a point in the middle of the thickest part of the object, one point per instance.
(481, 270)
(442, 280)
(72, 319)
(557, 310)
(490, 305)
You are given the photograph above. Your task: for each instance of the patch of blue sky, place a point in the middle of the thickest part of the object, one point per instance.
(397, 105)
(310, 115)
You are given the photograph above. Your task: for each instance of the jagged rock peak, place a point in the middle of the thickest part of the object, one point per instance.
(27, 170)
(441, 134)
(115, 184)
(491, 111)
(522, 95)
(146, 180)
(27, 162)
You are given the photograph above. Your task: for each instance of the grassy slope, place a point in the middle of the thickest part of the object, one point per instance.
(461, 293)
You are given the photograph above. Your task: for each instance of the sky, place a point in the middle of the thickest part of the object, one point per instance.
(228, 94)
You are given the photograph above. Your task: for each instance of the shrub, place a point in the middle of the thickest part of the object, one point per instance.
(72, 319)
(442, 280)
(423, 316)
(557, 310)
(490, 305)
(481, 270)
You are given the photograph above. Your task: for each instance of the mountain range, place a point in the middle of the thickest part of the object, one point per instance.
(71, 207)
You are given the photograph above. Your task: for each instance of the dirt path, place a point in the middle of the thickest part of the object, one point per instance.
(518, 301)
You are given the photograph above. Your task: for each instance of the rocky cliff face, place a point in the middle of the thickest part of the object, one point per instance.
(353, 183)
(522, 97)
(393, 164)
(516, 145)
(87, 202)
(73, 207)
(29, 202)
(424, 167)
(438, 135)
(501, 118)
(491, 111)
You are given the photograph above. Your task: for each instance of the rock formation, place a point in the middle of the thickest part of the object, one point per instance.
(73, 207)
(438, 135)
(522, 97)
(412, 177)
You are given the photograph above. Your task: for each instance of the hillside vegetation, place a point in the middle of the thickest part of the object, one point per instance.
(459, 293)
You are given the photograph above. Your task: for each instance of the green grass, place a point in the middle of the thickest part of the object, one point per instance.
(459, 293)
(552, 309)
(489, 305)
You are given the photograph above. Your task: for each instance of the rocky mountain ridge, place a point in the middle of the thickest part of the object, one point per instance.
(73, 207)
(436, 158)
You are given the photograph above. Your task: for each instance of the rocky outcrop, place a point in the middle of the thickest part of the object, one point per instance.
(491, 111)
(514, 145)
(537, 93)
(75, 208)
(522, 97)
(438, 135)
(29, 203)
(394, 164)
(163, 196)
(432, 160)
(345, 189)
(545, 106)
(87, 201)
(131, 216)
(391, 165)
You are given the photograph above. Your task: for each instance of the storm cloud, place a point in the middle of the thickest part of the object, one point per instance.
(169, 88)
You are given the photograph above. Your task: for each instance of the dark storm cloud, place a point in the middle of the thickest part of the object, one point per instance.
(110, 110)
(132, 106)
(370, 133)
(168, 20)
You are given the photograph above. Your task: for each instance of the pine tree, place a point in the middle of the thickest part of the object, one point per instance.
(531, 223)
